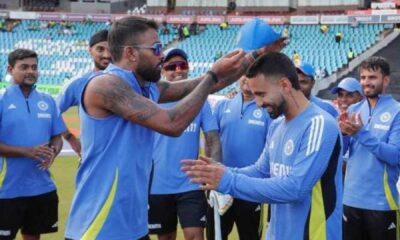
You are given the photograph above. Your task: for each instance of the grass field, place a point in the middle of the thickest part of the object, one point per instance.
(64, 171)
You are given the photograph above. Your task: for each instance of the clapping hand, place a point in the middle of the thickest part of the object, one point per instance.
(350, 126)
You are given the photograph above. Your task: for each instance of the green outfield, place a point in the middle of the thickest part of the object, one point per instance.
(64, 171)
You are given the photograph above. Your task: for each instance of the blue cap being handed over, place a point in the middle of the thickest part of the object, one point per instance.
(256, 34)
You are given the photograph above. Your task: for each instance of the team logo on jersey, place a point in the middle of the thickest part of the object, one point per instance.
(42, 105)
(385, 117)
(257, 113)
(289, 147)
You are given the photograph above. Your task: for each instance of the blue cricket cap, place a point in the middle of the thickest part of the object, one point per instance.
(172, 52)
(256, 34)
(306, 69)
(348, 84)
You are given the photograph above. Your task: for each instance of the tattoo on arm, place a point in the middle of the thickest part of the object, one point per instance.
(224, 81)
(174, 91)
(114, 95)
(119, 98)
(213, 146)
(192, 103)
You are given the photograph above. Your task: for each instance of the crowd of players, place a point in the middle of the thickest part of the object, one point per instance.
(140, 170)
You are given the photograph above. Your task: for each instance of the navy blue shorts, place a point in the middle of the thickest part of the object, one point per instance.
(34, 215)
(190, 207)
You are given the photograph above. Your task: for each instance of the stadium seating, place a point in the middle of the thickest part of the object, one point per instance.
(316, 48)
(64, 55)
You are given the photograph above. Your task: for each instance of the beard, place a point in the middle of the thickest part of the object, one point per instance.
(373, 91)
(246, 91)
(148, 73)
(100, 66)
(276, 110)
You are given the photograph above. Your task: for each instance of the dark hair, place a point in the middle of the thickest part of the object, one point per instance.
(376, 63)
(125, 32)
(20, 54)
(100, 36)
(275, 64)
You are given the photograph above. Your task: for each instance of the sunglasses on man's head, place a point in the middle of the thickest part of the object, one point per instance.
(157, 48)
(175, 65)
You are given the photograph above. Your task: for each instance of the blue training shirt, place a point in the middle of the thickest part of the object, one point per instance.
(374, 156)
(325, 105)
(169, 151)
(72, 91)
(112, 183)
(237, 122)
(299, 174)
(26, 122)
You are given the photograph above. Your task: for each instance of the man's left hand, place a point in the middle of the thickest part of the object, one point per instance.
(204, 171)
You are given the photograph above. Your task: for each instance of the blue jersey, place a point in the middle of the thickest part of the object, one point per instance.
(112, 183)
(26, 122)
(374, 156)
(169, 151)
(299, 174)
(238, 120)
(71, 93)
(325, 105)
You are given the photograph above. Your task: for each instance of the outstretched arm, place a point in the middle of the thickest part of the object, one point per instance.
(173, 91)
(318, 156)
(109, 94)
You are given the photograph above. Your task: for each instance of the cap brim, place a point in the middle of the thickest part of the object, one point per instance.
(335, 90)
(249, 49)
(303, 72)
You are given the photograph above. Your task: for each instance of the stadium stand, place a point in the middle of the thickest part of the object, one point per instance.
(63, 51)
(391, 54)
(318, 49)
(63, 47)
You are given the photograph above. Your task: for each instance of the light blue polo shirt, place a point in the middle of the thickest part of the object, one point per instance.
(26, 122)
(170, 151)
